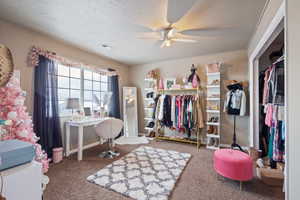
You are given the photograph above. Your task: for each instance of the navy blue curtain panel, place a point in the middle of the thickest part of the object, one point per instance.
(45, 113)
(114, 105)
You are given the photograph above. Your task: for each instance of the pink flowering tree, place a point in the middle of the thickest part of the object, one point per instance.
(12, 108)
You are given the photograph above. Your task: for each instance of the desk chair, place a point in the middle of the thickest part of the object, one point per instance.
(109, 129)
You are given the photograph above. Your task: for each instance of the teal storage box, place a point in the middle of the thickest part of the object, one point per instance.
(15, 152)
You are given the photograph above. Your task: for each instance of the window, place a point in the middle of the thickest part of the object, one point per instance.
(80, 83)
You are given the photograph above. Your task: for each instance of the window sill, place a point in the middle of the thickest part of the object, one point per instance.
(65, 116)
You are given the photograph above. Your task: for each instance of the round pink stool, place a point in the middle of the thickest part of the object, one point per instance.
(233, 164)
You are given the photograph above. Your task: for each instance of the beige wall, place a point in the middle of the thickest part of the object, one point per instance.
(235, 67)
(20, 40)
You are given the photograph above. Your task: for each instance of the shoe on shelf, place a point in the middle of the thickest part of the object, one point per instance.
(150, 95)
(151, 124)
(211, 142)
(152, 134)
(215, 82)
(215, 119)
(216, 143)
(211, 119)
(210, 129)
(215, 130)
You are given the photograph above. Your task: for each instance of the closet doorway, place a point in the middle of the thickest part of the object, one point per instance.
(259, 56)
(269, 56)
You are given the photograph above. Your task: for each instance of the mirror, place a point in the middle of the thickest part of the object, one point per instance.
(6, 65)
(130, 111)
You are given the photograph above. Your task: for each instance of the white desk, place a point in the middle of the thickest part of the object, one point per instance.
(80, 124)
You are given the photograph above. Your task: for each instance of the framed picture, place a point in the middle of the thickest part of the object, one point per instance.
(169, 82)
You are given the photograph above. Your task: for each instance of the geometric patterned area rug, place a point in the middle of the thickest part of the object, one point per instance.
(146, 173)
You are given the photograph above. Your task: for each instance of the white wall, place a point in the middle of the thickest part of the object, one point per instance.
(20, 40)
(266, 19)
(235, 67)
(293, 97)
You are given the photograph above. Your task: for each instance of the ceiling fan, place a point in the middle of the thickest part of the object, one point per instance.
(171, 26)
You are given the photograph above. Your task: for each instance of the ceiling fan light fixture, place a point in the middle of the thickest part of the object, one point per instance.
(168, 43)
(172, 32)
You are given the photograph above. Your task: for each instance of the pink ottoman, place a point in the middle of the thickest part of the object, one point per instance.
(233, 164)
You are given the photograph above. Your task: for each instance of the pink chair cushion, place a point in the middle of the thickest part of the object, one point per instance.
(233, 164)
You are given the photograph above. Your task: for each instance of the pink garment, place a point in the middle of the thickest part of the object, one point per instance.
(233, 164)
(178, 104)
(269, 115)
(195, 83)
(160, 84)
(266, 87)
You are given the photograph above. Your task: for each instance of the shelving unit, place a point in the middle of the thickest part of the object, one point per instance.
(150, 86)
(178, 139)
(213, 100)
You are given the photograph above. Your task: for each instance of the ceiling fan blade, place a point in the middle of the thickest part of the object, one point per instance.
(150, 36)
(211, 32)
(177, 9)
(184, 40)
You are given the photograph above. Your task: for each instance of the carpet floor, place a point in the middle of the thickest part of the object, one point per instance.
(198, 181)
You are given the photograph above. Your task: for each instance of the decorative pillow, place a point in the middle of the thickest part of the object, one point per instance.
(6, 65)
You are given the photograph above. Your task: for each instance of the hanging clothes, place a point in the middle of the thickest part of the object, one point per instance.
(273, 91)
(155, 106)
(180, 112)
(275, 120)
(197, 113)
(273, 103)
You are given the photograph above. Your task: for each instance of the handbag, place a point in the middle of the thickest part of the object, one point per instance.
(213, 68)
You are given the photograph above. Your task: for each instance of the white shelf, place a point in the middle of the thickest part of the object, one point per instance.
(213, 135)
(212, 147)
(148, 108)
(150, 79)
(213, 123)
(213, 74)
(213, 86)
(213, 98)
(150, 129)
(149, 89)
(213, 111)
(148, 118)
(178, 90)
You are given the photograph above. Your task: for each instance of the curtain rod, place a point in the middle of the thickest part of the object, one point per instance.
(35, 52)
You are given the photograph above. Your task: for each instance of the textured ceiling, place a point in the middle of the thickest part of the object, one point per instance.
(90, 23)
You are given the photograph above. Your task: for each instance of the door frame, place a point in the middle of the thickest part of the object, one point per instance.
(254, 73)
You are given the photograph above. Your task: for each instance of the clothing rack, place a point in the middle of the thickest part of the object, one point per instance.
(182, 91)
(281, 58)
(274, 131)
